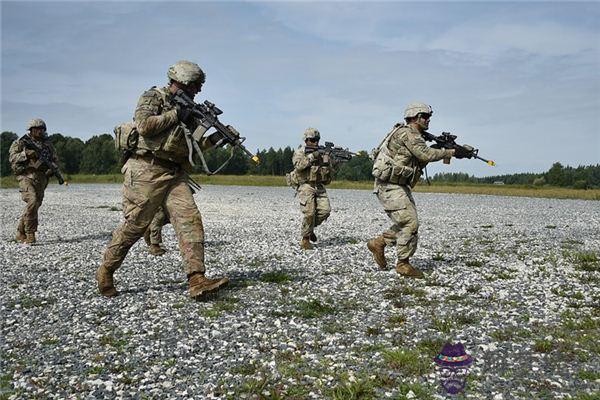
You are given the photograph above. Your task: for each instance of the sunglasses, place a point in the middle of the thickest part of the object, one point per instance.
(425, 116)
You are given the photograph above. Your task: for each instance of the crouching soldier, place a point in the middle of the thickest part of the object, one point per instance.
(25, 156)
(312, 170)
(399, 163)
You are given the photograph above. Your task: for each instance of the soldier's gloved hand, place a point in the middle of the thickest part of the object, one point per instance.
(184, 114)
(463, 152)
(31, 154)
(313, 157)
(49, 173)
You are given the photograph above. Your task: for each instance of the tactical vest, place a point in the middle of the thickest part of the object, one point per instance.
(169, 144)
(319, 173)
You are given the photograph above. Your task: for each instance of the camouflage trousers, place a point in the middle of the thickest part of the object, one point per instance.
(146, 187)
(315, 207)
(32, 188)
(398, 203)
(154, 231)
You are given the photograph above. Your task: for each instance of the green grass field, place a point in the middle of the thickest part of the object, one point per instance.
(267, 180)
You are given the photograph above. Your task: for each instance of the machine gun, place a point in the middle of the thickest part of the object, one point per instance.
(206, 115)
(337, 154)
(447, 141)
(44, 157)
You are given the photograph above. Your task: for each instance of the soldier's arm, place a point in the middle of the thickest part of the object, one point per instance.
(418, 147)
(302, 161)
(16, 153)
(148, 119)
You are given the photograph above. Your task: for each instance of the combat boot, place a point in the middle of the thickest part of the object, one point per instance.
(305, 243)
(105, 282)
(156, 250)
(377, 247)
(201, 286)
(313, 237)
(29, 238)
(404, 268)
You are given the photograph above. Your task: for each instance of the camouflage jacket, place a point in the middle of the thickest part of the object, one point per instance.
(313, 168)
(30, 166)
(161, 132)
(408, 155)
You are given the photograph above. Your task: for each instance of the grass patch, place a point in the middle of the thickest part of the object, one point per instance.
(275, 277)
(334, 327)
(474, 263)
(407, 361)
(268, 180)
(442, 325)
(588, 375)
(219, 307)
(438, 257)
(313, 309)
(586, 261)
(550, 227)
(431, 346)
(543, 346)
(108, 340)
(244, 369)
(397, 319)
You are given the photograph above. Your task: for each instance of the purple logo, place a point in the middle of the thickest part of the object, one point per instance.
(453, 366)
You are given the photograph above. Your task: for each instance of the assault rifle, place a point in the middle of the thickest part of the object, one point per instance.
(44, 157)
(206, 115)
(447, 141)
(337, 154)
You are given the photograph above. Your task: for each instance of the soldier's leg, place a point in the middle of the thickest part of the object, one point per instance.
(144, 189)
(406, 226)
(307, 197)
(323, 207)
(155, 227)
(33, 197)
(187, 222)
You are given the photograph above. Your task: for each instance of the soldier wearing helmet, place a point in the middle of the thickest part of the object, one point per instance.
(313, 171)
(32, 175)
(399, 162)
(155, 176)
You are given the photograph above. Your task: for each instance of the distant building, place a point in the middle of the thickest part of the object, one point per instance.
(498, 182)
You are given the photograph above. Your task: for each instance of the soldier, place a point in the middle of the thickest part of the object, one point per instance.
(155, 175)
(153, 235)
(32, 175)
(313, 171)
(399, 162)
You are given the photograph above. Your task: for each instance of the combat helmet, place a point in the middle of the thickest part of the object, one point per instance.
(36, 123)
(186, 72)
(414, 109)
(311, 133)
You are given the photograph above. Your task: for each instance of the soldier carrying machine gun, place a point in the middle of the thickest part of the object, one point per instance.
(336, 153)
(44, 158)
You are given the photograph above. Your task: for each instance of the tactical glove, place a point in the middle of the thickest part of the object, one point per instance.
(31, 154)
(465, 151)
(183, 114)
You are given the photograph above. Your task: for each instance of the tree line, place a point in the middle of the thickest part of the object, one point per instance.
(98, 156)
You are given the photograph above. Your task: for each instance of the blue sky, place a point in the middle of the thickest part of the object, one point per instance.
(520, 81)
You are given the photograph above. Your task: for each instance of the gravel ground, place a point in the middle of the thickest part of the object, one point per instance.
(516, 280)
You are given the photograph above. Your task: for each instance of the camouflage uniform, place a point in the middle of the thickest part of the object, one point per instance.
(156, 176)
(313, 172)
(409, 154)
(32, 181)
(153, 234)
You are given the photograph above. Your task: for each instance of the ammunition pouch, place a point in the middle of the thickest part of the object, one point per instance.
(126, 137)
(175, 143)
(292, 180)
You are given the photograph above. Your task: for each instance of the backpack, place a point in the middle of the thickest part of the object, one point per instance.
(382, 164)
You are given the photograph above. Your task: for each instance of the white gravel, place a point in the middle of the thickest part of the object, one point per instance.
(505, 277)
